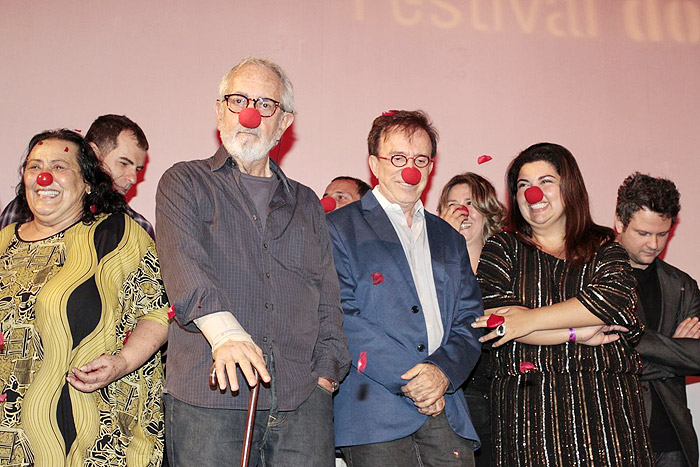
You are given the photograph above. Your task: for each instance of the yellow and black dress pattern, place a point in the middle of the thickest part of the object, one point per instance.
(64, 301)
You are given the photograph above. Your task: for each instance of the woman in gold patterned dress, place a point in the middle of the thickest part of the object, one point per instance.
(82, 314)
(566, 386)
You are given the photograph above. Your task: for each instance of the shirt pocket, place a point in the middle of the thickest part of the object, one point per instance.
(301, 253)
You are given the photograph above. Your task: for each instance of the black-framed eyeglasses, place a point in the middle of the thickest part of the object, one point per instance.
(399, 160)
(237, 102)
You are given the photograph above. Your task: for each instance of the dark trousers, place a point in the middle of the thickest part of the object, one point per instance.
(435, 444)
(480, 414)
(199, 437)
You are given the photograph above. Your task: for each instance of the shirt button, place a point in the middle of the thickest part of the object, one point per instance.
(264, 339)
(267, 274)
(265, 245)
(267, 305)
(415, 309)
(421, 347)
(255, 217)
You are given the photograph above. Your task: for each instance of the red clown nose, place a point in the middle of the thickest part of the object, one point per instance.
(465, 209)
(328, 204)
(411, 175)
(250, 117)
(44, 179)
(533, 195)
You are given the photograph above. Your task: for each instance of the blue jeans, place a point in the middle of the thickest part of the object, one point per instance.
(202, 437)
(434, 444)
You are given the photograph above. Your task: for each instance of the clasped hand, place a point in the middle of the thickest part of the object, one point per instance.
(426, 387)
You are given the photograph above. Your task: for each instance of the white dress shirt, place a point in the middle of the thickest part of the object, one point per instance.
(414, 241)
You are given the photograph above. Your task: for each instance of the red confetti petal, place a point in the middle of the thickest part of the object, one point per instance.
(377, 278)
(66, 149)
(455, 453)
(483, 159)
(250, 117)
(362, 362)
(3, 397)
(2, 340)
(495, 320)
(76, 129)
(328, 204)
(533, 195)
(527, 367)
(389, 113)
(411, 175)
(171, 312)
(93, 208)
(126, 338)
(44, 179)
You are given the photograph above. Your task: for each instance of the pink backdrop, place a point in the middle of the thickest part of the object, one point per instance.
(615, 81)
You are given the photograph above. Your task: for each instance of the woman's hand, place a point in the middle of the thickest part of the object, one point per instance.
(455, 215)
(146, 338)
(98, 373)
(519, 321)
(598, 335)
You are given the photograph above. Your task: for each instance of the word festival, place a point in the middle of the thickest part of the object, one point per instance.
(675, 21)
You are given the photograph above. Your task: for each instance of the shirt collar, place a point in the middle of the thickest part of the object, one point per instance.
(222, 158)
(387, 205)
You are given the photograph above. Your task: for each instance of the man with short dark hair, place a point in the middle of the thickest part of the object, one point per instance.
(345, 190)
(121, 146)
(247, 264)
(646, 211)
(409, 298)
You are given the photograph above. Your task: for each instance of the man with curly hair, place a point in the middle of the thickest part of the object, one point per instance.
(647, 209)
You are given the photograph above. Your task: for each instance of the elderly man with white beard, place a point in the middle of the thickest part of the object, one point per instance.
(248, 268)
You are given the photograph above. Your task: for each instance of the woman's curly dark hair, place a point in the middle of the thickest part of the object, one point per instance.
(102, 196)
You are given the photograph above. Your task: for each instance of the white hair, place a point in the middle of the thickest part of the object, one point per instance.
(287, 99)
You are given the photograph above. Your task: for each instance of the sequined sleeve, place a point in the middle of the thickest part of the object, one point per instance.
(611, 293)
(496, 273)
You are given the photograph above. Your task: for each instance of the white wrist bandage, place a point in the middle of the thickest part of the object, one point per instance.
(222, 327)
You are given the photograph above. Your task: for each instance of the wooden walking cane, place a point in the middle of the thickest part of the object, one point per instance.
(250, 418)
(250, 421)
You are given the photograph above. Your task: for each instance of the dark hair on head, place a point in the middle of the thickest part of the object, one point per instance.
(640, 191)
(105, 130)
(582, 236)
(101, 195)
(408, 121)
(362, 186)
(484, 200)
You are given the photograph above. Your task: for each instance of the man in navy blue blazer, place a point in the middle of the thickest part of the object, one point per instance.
(409, 297)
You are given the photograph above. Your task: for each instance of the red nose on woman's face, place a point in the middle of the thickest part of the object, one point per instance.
(534, 195)
(44, 179)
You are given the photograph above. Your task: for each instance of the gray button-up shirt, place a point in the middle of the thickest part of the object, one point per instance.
(279, 282)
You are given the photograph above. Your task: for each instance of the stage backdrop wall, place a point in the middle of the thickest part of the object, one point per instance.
(615, 81)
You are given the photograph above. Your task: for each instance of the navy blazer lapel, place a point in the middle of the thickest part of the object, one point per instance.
(437, 259)
(379, 222)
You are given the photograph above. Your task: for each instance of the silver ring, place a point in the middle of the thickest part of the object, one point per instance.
(501, 330)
